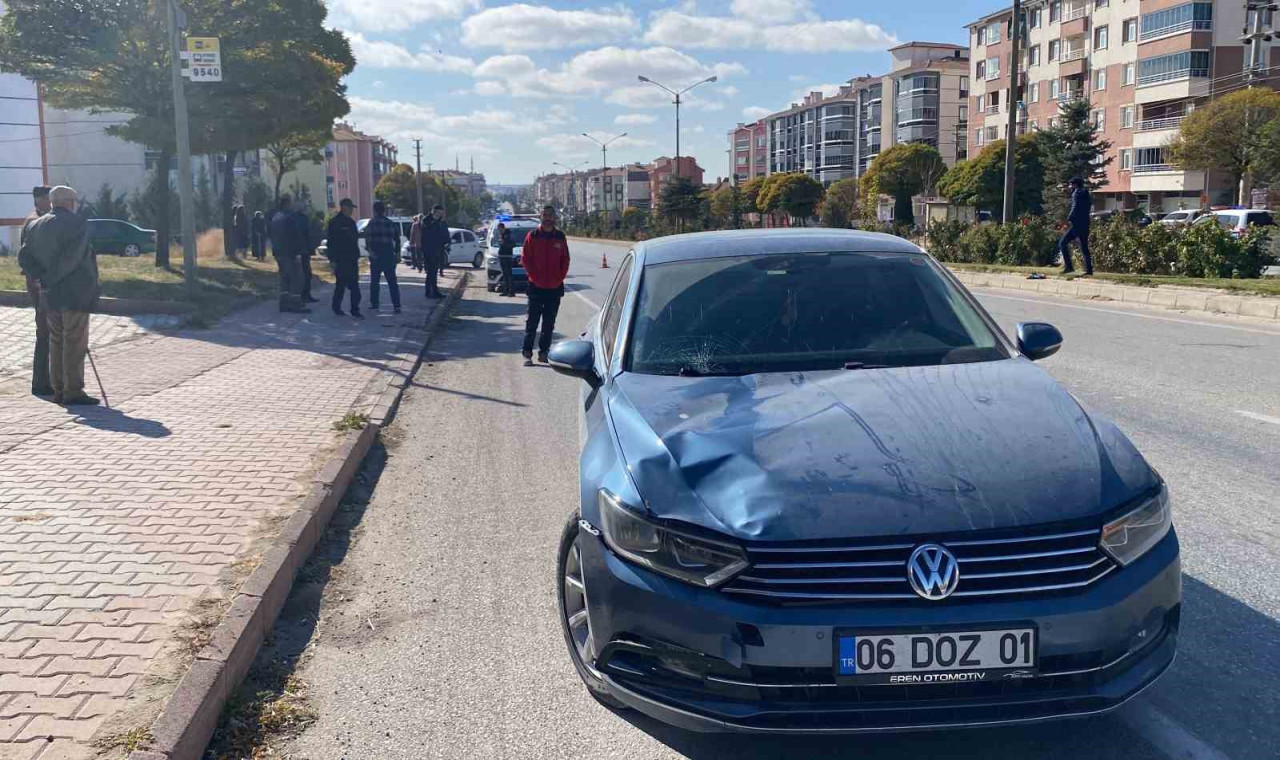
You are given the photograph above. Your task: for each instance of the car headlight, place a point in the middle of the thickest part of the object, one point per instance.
(1133, 535)
(691, 559)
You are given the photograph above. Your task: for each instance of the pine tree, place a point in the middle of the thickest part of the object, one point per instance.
(1074, 148)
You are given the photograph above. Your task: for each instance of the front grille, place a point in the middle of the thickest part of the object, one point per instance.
(876, 570)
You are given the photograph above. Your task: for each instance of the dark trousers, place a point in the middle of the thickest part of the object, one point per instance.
(508, 284)
(259, 248)
(434, 262)
(304, 262)
(544, 306)
(347, 274)
(1080, 234)
(380, 267)
(40, 362)
(290, 281)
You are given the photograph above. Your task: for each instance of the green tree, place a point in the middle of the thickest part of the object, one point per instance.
(979, 182)
(751, 194)
(153, 200)
(634, 219)
(1229, 135)
(206, 202)
(726, 207)
(795, 193)
(286, 153)
(1073, 148)
(680, 200)
(903, 171)
(840, 206)
(113, 56)
(108, 205)
(256, 196)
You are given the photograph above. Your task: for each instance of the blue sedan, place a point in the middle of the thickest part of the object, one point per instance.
(821, 491)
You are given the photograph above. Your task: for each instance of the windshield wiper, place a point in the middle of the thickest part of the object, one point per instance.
(863, 365)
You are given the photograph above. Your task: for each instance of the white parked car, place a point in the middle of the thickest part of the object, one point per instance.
(1186, 216)
(1236, 221)
(464, 248)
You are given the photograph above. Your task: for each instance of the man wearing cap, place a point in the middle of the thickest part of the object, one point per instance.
(344, 251)
(435, 248)
(57, 254)
(40, 363)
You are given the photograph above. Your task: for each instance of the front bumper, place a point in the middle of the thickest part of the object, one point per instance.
(700, 660)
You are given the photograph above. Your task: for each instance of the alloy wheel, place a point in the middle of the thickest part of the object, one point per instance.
(575, 606)
(132, 250)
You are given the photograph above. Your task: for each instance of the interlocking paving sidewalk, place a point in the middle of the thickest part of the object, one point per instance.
(18, 333)
(117, 525)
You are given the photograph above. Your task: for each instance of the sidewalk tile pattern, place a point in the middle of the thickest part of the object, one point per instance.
(18, 333)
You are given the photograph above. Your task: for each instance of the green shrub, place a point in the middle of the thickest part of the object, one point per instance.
(1028, 242)
(980, 244)
(1113, 244)
(1157, 250)
(944, 238)
(1206, 250)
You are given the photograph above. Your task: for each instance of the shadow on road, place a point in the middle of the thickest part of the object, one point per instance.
(116, 421)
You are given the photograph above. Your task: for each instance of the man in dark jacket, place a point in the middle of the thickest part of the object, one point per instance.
(306, 246)
(40, 385)
(435, 249)
(506, 259)
(344, 252)
(1078, 227)
(258, 233)
(546, 262)
(285, 244)
(382, 238)
(57, 254)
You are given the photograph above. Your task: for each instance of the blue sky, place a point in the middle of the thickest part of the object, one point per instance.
(515, 84)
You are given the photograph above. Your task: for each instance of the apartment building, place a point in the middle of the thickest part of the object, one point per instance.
(1143, 65)
(749, 148)
(663, 168)
(837, 136)
(355, 163)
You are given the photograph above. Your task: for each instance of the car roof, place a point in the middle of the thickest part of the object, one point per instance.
(710, 245)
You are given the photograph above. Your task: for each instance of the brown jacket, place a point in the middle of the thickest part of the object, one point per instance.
(56, 252)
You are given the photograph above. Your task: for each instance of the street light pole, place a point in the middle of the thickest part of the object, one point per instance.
(677, 95)
(1011, 136)
(604, 168)
(573, 176)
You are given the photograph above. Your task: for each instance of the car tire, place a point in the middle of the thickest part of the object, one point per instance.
(478, 261)
(568, 547)
(132, 251)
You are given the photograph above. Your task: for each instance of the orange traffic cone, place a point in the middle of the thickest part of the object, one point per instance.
(604, 261)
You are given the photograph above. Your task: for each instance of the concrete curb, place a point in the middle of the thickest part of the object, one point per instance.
(189, 718)
(121, 307)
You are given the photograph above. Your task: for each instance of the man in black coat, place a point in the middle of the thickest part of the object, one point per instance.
(1078, 227)
(285, 244)
(435, 249)
(258, 233)
(40, 385)
(344, 252)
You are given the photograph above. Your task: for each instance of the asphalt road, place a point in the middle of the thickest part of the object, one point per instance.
(437, 634)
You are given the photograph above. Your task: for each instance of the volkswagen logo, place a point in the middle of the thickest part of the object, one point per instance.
(933, 572)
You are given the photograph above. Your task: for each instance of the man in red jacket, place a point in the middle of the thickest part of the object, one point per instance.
(546, 262)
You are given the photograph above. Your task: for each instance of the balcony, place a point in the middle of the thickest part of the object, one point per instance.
(1166, 122)
(992, 109)
(1154, 169)
(1173, 76)
(1073, 54)
(1070, 95)
(1193, 25)
(1073, 12)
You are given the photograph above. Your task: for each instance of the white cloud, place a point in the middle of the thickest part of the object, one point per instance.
(395, 15)
(754, 113)
(466, 134)
(379, 54)
(774, 11)
(730, 91)
(490, 88)
(608, 69)
(685, 30)
(635, 118)
(574, 146)
(530, 27)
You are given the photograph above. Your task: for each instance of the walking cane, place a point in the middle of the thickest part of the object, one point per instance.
(96, 376)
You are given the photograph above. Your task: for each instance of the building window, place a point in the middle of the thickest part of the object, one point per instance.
(1130, 32)
(964, 114)
(1176, 20)
(1126, 160)
(982, 102)
(1101, 3)
(1035, 55)
(1100, 38)
(993, 133)
(1054, 88)
(1053, 122)
(1126, 117)
(978, 138)
(1166, 68)
(1053, 50)
(993, 68)
(993, 32)
(1033, 126)
(982, 35)
(1128, 73)
(1055, 12)
(1099, 119)
(1034, 95)
(1100, 79)
(981, 70)
(1034, 19)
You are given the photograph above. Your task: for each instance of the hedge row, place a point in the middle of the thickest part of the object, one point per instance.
(1118, 245)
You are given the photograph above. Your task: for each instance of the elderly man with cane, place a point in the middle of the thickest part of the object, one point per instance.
(57, 255)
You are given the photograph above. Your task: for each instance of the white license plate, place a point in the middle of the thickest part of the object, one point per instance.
(924, 658)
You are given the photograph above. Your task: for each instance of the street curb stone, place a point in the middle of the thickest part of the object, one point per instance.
(189, 718)
(1170, 297)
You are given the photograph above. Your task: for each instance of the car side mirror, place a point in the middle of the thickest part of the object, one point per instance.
(1038, 340)
(575, 358)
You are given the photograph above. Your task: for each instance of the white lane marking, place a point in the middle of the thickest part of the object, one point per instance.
(1049, 302)
(1165, 734)
(590, 303)
(1259, 417)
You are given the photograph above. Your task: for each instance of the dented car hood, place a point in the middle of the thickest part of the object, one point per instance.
(876, 452)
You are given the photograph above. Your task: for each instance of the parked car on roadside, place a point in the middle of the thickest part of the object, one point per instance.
(1181, 217)
(1136, 216)
(120, 237)
(1236, 221)
(821, 491)
(518, 229)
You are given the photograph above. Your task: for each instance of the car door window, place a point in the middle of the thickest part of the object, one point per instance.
(457, 237)
(613, 310)
(468, 237)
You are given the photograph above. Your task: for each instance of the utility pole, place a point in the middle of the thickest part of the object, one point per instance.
(604, 170)
(1011, 135)
(647, 80)
(417, 152)
(1253, 39)
(176, 21)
